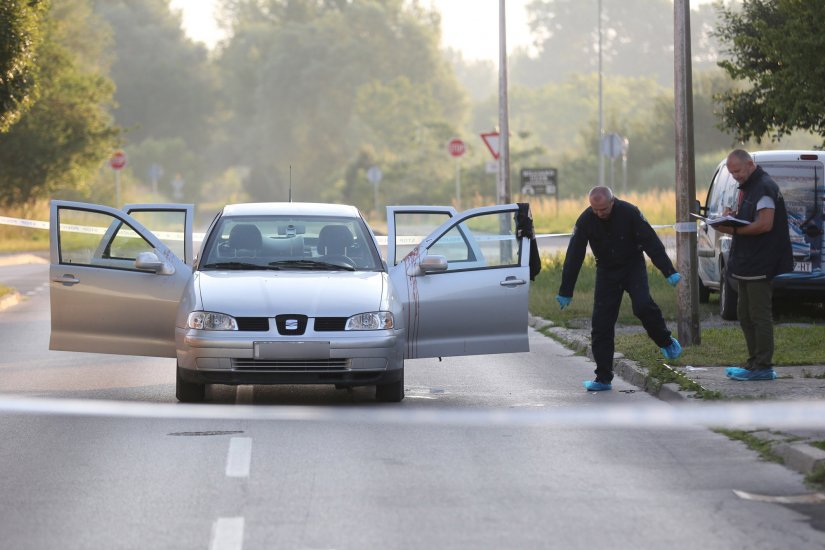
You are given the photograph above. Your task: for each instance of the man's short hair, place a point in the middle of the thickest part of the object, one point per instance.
(741, 155)
(601, 191)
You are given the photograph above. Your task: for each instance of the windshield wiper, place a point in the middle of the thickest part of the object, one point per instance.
(238, 265)
(311, 264)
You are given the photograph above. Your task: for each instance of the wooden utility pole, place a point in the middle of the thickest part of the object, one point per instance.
(687, 323)
(503, 114)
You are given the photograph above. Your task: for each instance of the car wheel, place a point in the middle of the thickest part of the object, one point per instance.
(704, 292)
(392, 392)
(189, 392)
(727, 297)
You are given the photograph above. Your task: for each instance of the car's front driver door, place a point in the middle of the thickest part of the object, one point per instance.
(114, 285)
(465, 286)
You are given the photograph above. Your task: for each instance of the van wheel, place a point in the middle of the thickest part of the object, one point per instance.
(727, 297)
(189, 392)
(704, 292)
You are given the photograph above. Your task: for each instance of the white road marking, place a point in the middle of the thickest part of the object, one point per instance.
(227, 534)
(239, 457)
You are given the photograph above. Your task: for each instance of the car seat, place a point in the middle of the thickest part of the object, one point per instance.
(333, 241)
(245, 240)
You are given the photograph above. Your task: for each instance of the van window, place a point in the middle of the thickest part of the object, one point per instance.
(723, 192)
(802, 186)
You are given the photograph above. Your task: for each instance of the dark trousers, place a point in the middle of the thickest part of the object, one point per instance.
(611, 284)
(756, 319)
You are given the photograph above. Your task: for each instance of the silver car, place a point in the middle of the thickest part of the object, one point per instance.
(288, 293)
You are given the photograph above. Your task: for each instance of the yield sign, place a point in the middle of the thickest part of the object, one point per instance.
(491, 140)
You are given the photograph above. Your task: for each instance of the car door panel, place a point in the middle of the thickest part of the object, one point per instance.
(479, 304)
(101, 302)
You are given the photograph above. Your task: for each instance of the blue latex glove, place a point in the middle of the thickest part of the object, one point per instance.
(674, 279)
(563, 301)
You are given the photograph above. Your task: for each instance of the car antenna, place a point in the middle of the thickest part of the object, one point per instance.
(290, 183)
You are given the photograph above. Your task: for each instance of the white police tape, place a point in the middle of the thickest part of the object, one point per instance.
(767, 414)
(405, 240)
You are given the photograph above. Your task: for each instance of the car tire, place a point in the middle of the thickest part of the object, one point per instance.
(189, 392)
(704, 292)
(728, 297)
(392, 392)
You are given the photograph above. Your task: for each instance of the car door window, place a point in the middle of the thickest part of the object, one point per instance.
(412, 227)
(98, 239)
(167, 226)
(483, 241)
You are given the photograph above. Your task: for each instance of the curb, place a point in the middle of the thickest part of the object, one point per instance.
(796, 455)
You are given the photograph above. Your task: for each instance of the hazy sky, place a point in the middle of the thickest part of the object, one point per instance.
(470, 26)
(476, 40)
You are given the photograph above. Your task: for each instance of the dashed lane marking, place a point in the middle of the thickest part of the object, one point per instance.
(227, 534)
(239, 457)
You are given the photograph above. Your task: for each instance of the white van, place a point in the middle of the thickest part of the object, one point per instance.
(799, 175)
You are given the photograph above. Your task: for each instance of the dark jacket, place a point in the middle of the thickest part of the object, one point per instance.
(616, 242)
(769, 254)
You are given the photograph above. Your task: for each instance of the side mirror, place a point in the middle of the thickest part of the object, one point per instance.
(149, 261)
(433, 264)
(699, 209)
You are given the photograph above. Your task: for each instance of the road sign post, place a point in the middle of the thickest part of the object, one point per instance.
(117, 162)
(457, 148)
(374, 176)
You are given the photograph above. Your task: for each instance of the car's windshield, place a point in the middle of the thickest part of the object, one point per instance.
(285, 242)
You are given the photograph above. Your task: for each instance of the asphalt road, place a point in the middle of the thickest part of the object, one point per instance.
(96, 479)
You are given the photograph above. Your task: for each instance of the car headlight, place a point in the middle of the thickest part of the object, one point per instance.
(374, 320)
(208, 320)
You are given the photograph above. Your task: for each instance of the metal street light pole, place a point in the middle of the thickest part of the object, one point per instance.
(503, 115)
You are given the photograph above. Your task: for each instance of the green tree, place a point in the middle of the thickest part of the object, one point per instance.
(57, 146)
(773, 48)
(20, 36)
(166, 90)
(311, 84)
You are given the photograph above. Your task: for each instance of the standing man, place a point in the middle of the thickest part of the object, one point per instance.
(759, 251)
(618, 234)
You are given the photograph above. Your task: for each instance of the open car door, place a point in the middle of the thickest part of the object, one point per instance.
(114, 285)
(465, 286)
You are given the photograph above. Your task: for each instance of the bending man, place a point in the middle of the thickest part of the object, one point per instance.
(618, 233)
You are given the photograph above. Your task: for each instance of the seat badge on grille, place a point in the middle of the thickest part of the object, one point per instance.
(291, 324)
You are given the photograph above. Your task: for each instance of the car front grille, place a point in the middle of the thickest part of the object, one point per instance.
(292, 365)
(253, 323)
(329, 324)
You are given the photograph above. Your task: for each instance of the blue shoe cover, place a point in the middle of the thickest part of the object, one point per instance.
(591, 385)
(730, 371)
(745, 374)
(674, 350)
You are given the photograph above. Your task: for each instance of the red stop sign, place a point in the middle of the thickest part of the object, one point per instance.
(118, 160)
(456, 147)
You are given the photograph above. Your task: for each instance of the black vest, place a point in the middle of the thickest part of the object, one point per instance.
(769, 254)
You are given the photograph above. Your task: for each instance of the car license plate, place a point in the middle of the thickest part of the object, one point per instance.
(802, 267)
(291, 350)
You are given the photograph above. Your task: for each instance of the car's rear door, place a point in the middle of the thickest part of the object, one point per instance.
(478, 304)
(105, 297)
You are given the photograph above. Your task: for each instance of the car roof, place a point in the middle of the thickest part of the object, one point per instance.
(788, 154)
(290, 208)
